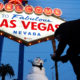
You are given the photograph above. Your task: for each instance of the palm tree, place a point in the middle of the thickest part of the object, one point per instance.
(5, 70)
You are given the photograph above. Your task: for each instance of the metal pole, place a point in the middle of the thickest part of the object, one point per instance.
(54, 49)
(21, 62)
(1, 46)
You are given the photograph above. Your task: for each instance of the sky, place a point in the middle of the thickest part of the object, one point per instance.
(10, 53)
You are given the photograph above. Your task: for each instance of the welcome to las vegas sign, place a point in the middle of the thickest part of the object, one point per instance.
(26, 26)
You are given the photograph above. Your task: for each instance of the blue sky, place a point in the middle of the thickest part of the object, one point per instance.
(10, 52)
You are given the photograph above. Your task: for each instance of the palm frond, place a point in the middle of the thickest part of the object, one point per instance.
(6, 70)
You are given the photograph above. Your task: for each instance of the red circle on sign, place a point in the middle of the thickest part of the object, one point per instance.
(15, 1)
(48, 11)
(28, 9)
(57, 12)
(19, 8)
(9, 7)
(1, 6)
(38, 10)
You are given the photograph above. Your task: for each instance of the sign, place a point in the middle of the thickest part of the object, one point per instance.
(15, 1)
(18, 8)
(1, 6)
(38, 10)
(28, 27)
(28, 9)
(48, 11)
(9, 7)
(57, 12)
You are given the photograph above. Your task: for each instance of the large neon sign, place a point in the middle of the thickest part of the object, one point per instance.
(27, 26)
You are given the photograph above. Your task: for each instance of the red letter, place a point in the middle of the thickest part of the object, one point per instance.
(43, 27)
(50, 27)
(56, 26)
(4, 23)
(13, 24)
(33, 25)
(24, 25)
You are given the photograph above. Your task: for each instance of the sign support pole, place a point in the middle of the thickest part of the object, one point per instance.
(21, 62)
(54, 49)
(1, 46)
